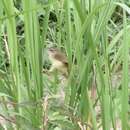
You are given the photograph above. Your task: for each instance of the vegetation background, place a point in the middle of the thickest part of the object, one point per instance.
(94, 32)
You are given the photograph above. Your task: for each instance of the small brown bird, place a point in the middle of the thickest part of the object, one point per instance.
(59, 61)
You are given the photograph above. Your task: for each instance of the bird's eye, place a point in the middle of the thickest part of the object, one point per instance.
(52, 50)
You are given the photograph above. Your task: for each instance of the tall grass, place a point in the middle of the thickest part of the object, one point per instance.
(83, 29)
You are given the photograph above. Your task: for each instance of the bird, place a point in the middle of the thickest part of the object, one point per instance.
(58, 61)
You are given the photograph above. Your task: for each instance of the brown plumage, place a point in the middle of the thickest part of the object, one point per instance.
(59, 60)
(58, 55)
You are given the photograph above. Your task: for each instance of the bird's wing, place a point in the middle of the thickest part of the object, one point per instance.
(61, 57)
